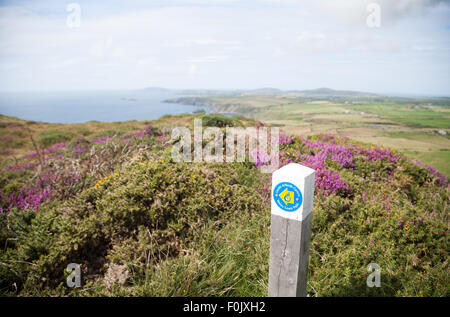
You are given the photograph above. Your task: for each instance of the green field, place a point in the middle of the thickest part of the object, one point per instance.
(415, 117)
(408, 125)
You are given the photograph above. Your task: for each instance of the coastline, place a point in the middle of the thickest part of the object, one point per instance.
(226, 110)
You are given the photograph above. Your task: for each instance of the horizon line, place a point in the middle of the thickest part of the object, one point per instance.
(381, 94)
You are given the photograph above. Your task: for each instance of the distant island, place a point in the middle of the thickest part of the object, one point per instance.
(258, 92)
(323, 92)
(156, 90)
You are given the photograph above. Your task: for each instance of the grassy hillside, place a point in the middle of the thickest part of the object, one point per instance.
(410, 125)
(109, 197)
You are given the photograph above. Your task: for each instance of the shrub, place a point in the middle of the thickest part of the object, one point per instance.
(118, 204)
(218, 120)
(49, 137)
(157, 209)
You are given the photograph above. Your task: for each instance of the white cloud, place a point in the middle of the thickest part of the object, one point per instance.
(192, 69)
(309, 40)
(234, 44)
(209, 59)
(355, 11)
(100, 48)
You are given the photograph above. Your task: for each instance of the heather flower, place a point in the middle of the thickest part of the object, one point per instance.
(100, 140)
(26, 198)
(143, 133)
(376, 154)
(443, 180)
(42, 189)
(261, 158)
(31, 155)
(329, 181)
(55, 148)
(22, 166)
(284, 139)
(80, 148)
(323, 152)
(50, 150)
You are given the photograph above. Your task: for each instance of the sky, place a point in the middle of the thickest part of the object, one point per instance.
(226, 44)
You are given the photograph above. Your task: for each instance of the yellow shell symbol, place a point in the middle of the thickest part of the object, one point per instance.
(287, 196)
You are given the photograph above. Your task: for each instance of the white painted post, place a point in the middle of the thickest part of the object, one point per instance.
(290, 231)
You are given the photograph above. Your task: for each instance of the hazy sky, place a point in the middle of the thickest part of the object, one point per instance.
(226, 44)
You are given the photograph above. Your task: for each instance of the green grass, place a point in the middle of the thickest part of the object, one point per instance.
(197, 229)
(421, 117)
(49, 137)
(436, 152)
(294, 112)
(438, 159)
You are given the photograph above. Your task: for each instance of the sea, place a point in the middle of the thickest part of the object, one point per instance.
(83, 106)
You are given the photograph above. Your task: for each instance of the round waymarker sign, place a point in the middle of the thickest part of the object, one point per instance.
(287, 196)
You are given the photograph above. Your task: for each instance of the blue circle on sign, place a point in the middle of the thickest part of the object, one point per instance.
(287, 196)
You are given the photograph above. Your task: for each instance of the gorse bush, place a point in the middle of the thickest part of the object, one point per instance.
(141, 225)
(49, 137)
(159, 208)
(218, 120)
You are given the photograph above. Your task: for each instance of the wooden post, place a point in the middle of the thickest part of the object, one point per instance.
(290, 231)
